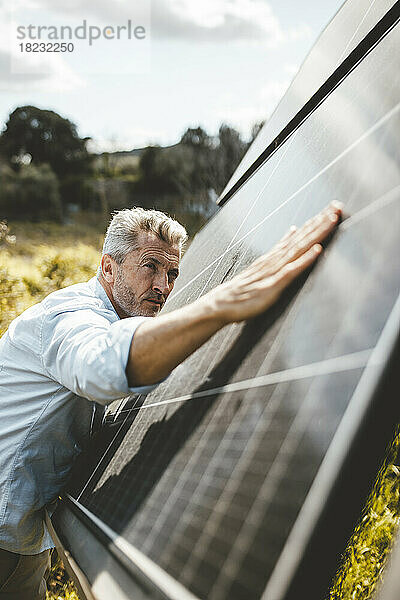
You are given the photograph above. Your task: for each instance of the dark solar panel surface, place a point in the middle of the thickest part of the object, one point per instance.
(209, 475)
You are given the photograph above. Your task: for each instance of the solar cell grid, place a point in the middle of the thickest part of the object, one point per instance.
(228, 516)
(209, 475)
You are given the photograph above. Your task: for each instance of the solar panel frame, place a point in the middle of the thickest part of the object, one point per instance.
(76, 524)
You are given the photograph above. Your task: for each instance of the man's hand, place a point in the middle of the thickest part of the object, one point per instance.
(162, 343)
(256, 288)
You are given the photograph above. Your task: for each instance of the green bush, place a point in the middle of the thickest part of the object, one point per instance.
(32, 194)
(79, 190)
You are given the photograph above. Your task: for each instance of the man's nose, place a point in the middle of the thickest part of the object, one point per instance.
(161, 284)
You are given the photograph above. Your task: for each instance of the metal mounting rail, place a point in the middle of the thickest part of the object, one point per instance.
(138, 565)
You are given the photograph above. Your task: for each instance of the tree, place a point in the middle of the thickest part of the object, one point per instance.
(200, 151)
(147, 165)
(43, 136)
(228, 154)
(255, 130)
(185, 178)
(180, 170)
(196, 137)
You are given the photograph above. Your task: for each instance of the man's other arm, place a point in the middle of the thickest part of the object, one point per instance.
(160, 344)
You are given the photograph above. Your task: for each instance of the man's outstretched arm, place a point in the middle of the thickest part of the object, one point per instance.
(162, 343)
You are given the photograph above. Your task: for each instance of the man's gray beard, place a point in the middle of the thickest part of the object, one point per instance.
(125, 299)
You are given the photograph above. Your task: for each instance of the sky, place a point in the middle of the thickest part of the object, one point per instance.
(176, 64)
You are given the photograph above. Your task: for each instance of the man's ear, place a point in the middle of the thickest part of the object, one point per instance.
(108, 268)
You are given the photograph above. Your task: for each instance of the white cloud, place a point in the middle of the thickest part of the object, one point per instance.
(18, 74)
(10, 81)
(216, 20)
(220, 20)
(271, 93)
(194, 20)
(101, 10)
(290, 69)
(243, 115)
(24, 71)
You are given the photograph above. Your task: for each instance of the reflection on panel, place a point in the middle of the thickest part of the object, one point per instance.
(201, 485)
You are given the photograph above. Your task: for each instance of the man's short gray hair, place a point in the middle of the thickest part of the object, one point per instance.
(122, 233)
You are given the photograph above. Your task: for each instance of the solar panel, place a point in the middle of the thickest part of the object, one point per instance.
(349, 26)
(231, 476)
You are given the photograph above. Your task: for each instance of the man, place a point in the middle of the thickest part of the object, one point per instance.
(94, 343)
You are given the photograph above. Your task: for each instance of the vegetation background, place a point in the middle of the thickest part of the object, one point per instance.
(55, 202)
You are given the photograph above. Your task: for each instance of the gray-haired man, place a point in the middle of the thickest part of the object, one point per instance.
(94, 343)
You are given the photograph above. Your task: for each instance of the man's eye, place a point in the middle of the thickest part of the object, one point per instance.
(151, 266)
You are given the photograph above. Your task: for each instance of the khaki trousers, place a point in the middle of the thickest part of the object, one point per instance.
(23, 577)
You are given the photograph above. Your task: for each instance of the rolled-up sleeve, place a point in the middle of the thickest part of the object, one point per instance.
(88, 355)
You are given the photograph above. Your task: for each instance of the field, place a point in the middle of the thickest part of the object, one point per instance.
(36, 259)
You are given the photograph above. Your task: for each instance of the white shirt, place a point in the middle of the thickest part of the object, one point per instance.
(56, 360)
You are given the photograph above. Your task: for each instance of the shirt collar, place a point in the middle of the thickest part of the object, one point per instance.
(101, 293)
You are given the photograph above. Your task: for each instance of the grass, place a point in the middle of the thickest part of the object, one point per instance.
(86, 229)
(59, 586)
(38, 259)
(46, 257)
(363, 563)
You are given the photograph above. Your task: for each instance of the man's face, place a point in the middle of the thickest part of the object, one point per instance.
(146, 277)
